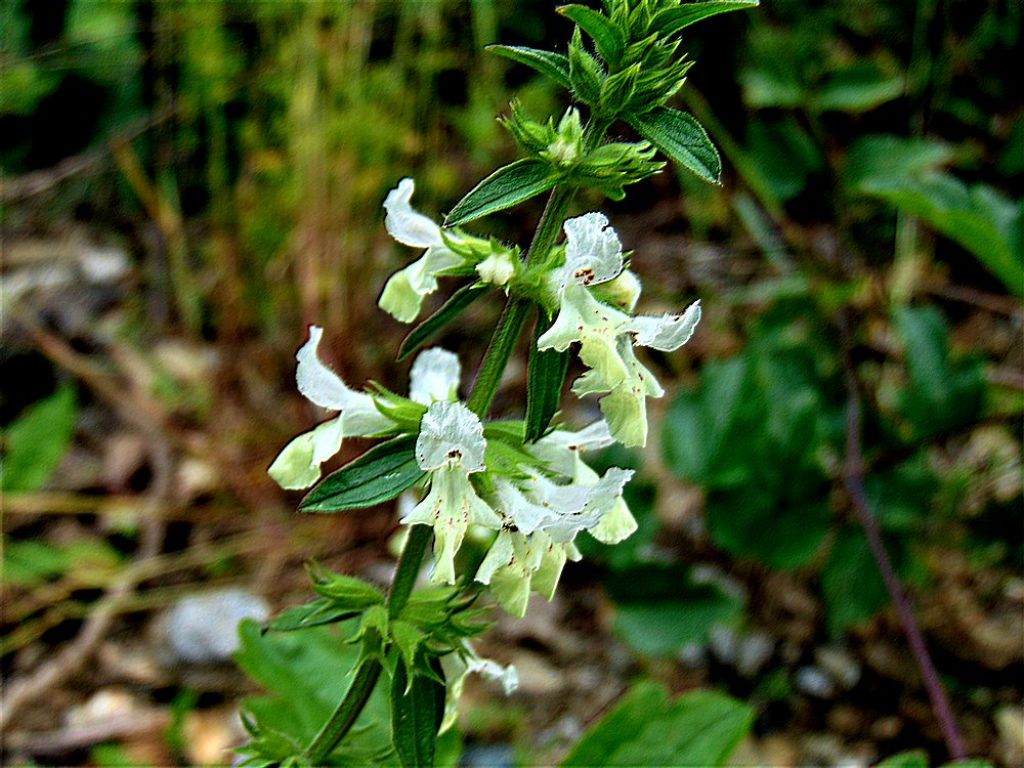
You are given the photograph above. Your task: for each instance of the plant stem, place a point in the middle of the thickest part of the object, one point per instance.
(345, 715)
(854, 480)
(510, 324)
(408, 568)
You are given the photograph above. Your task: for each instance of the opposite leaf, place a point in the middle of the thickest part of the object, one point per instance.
(553, 66)
(672, 20)
(417, 709)
(503, 189)
(682, 139)
(379, 475)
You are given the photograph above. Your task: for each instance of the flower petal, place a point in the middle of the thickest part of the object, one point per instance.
(451, 435)
(322, 386)
(497, 269)
(404, 223)
(450, 507)
(404, 291)
(298, 464)
(593, 252)
(668, 332)
(559, 450)
(435, 376)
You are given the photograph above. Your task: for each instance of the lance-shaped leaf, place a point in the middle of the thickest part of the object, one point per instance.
(379, 475)
(544, 381)
(315, 613)
(417, 709)
(451, 309)
(682, 139)
(672, 20)
(553, 66)
(506, 187)
(607, 37)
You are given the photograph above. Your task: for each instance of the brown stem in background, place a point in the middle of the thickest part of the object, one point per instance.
(853, 478)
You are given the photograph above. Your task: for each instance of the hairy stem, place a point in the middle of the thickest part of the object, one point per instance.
(510, 325)
(345, 715)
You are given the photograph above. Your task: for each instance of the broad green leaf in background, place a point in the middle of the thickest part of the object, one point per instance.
(506, 187)
(859, 87)
(701, 431)
(306, 674)
(785, 153)
(660, 609)
(903, 172)
(32, 561)
(379, 475)
(37, 441)
(880, 158)
(850, 583)
(916, 758)
(779, 530)
(942, 393)
(682, 139)
(701, 728)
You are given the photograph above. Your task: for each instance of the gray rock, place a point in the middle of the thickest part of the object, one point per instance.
(203, 629)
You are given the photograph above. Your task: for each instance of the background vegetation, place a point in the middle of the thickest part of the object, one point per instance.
(185, 186)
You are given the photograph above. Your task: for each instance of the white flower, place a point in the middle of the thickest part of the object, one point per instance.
(434, 376)
(459, 665)
(497, 269)
(542, 517)
(607, 335)
(450, 447)
(298, 464)
(404, 292)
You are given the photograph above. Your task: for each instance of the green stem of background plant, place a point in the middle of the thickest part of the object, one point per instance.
(492, 367)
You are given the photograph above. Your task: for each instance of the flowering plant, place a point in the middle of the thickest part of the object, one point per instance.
(522, 487)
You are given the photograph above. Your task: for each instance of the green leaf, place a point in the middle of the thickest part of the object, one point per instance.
(703, 435)
(850, 583)
(672, 20)
(455, 306)
(880, 158)
(942, 394)
(37, 441)
(660, 609)
(315, 613)
(758, 522)
(347, 591)
(916, 758)
(306, 675)
(700, 728)
(553, 66)
(417, 709)
(903, 172)
(682, 139)
(545, 377)
(859, 88)
(607, 37)
(379, 475)
(504, 188)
